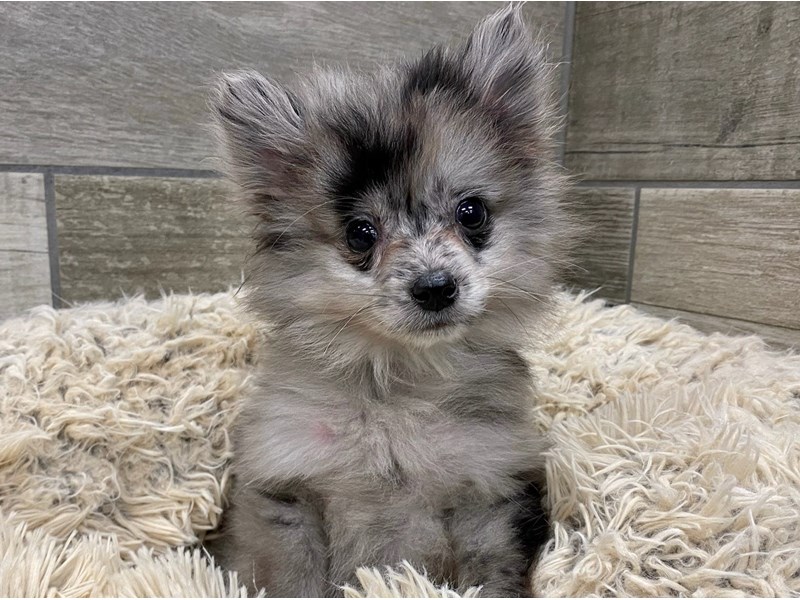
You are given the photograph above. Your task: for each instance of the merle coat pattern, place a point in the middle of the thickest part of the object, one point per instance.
(380, 430)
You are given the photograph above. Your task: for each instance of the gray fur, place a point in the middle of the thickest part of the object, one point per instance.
(380, 432)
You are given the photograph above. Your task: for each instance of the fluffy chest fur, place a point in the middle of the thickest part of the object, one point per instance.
(465, 429)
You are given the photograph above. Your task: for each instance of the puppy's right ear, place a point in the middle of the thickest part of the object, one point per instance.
(259, 125)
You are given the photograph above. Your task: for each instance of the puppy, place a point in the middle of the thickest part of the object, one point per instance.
(409, 231)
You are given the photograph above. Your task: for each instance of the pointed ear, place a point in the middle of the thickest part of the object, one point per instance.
(510, 71)
(259, 126)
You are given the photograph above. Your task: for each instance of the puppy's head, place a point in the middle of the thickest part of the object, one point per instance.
(413, 206)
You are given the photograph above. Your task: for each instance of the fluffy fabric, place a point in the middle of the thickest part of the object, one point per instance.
(675, 467)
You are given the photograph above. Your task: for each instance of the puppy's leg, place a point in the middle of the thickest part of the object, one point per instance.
(276, 541)
(495, 545)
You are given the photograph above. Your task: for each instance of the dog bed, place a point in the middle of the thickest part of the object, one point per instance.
(675, 466)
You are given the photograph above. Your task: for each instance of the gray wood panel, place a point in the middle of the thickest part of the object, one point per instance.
(129, 234)
(24, 262)
(601, 258)
(125, 84)
(726, 252)
(24, 282)
(686, 90)
(777, 337)
(23, 220)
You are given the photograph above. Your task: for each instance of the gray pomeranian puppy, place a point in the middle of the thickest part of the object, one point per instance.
(409, 230)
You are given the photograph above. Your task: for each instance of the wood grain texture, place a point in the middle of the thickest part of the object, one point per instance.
(686, 90)
(24, 263)
(123, 235)
(601, 259)
(23, 220)
(125, 84)
(777, 337)
(728, 252)
(24, 282)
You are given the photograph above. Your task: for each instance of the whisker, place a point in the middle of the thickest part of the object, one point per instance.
(239, 289)
(353, 316)
(515, 265)
(521, 324)
(334, 296)
(337, 294)
(552, 259)
(313, 208)
(525, 292)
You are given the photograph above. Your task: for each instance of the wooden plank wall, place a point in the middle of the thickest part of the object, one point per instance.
(118, 234)
(694, 110)
(107, 183)
(682, 127)
(24, 260)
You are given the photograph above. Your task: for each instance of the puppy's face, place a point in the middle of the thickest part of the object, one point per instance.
(407, 206)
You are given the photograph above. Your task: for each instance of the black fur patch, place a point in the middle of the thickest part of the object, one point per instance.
(374, 156)
(436, 71)
(531, 523)
(441, 73)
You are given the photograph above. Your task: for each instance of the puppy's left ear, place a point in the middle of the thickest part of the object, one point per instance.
(511, 72)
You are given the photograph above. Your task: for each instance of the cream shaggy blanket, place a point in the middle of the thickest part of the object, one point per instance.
(675, 467)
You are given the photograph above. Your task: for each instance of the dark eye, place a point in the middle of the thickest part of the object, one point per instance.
(471, 213)
(361, 235)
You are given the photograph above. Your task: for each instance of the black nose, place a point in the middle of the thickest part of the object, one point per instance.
(435, 291)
